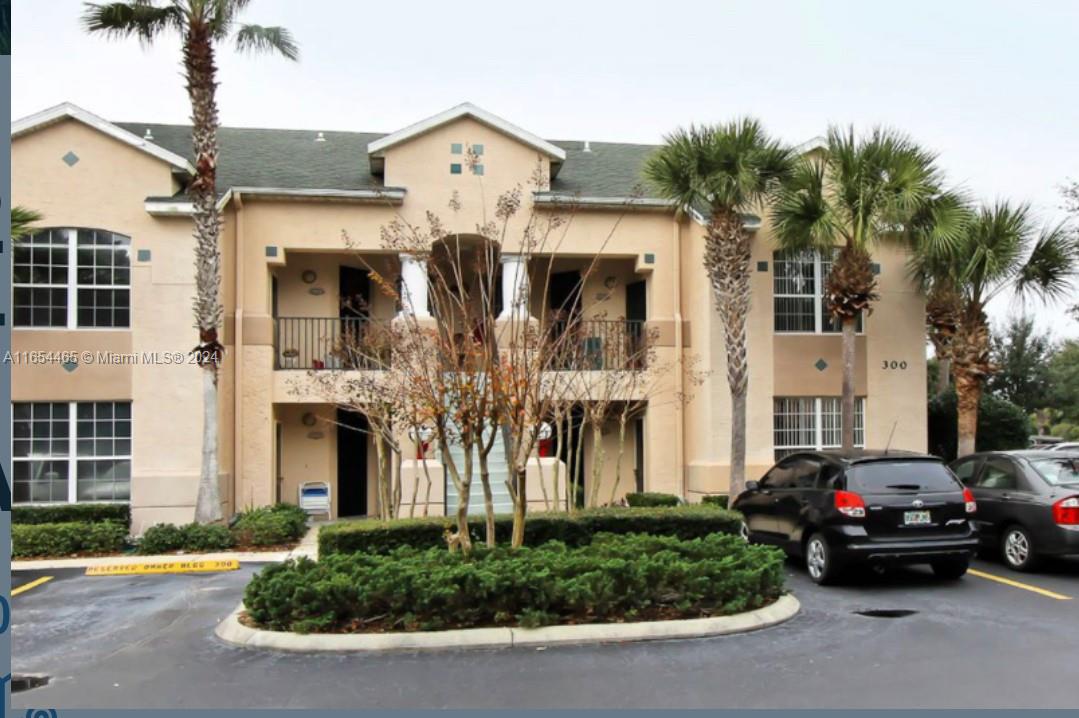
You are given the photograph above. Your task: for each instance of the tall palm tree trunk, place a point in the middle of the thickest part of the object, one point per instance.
(971, 365)
(200, 73)
(847, 401)
(727, 259)
(944, 374)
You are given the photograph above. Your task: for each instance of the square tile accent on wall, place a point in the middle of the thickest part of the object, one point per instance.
(762, 266)
(455, 168)
(875, 268)
(456, 148)
(477, 149)
(271, 251)
(649, 258)
(477, 169)
(143, 255)
(70, 159)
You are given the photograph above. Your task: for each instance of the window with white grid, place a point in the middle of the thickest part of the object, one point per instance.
(805, 423)
(798, 283)
(44, 461)
(72, 278)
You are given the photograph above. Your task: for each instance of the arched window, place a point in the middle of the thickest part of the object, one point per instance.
(72, 278)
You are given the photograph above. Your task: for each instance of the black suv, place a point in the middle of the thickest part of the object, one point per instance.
(836, 508)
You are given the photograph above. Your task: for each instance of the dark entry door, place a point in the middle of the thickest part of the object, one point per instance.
(351, 463)
(564, 294)
(636, 302)
(638, 451)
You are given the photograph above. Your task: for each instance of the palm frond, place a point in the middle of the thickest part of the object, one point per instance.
(801, 214)
(138, 18)
(21, 219)
(1049, 271)
(258, 38)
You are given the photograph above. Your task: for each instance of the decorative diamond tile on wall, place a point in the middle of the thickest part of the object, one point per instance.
(821, 365)
(70, 159)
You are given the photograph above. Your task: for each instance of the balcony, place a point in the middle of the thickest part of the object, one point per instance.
(328, 343)
(314, 343)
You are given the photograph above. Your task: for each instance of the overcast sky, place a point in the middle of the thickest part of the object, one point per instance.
(991, 86)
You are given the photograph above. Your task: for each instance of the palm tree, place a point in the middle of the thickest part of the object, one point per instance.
(21, 219)
(201, 24)
(725, 170)
(1000, 250)
(856, 193)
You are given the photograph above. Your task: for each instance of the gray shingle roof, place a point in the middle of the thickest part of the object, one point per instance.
(292, 159)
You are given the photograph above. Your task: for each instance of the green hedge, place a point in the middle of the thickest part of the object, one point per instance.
(652, 499)
(685, 522)
(67, 513)
(166, 538)
(1002, 425)
(720, 500)
(270, 525)
(65, 539)
(614, 578)
(264, 526)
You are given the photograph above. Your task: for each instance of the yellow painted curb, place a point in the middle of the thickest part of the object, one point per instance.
(124, 569)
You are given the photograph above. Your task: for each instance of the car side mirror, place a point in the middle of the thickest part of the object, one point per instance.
(752, 485)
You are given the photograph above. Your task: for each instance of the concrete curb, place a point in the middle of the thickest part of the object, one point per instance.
(52, 564)
(232, 631)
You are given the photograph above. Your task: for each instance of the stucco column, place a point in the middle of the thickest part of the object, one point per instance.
(414, 286)
(514, 287)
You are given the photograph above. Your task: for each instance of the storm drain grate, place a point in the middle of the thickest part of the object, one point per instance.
(26, 682)
(886, 613)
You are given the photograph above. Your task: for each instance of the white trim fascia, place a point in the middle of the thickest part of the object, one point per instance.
(183, 208)
(180, 208)
(466, 109)
(571, 199)
(752, 221)
(67, 110)
(817, 143)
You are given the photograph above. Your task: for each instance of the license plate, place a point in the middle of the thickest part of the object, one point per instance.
(916, 518)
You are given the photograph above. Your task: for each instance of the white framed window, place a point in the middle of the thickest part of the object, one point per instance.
(72, 279)
(67, 452)
(803, 423)
(798, 281)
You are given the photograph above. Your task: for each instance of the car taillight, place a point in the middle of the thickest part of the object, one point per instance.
(850, 504)
(1066, 511)
(968, 497)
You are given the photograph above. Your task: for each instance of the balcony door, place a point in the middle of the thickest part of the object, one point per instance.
(355, 289)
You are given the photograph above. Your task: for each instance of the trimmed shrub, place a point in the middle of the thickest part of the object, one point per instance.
(166, 538)
(65, 539)
(270, 525)
(684, 522)
(652, 499)
(720, 500)
(68, 513)
(616, 577)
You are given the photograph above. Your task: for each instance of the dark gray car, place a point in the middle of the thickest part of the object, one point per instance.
(1028, 502)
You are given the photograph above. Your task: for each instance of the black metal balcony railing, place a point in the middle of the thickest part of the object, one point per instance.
(328, 343)
(356, 343)
(598, 344)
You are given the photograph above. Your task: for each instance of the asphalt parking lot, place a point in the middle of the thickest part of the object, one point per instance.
(147, 642)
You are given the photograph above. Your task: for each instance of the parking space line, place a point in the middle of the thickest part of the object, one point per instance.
(1017, 584)
(27, 586)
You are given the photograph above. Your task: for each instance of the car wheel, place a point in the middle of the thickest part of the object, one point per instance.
(820, 563)
(1017, 547)
(951, 569)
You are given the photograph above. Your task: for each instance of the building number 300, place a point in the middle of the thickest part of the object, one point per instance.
(893, 364)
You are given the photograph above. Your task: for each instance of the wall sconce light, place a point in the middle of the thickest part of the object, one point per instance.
(610, 282)
(309, 419)
(309, 276)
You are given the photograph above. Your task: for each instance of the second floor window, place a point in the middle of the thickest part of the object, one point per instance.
(73, 278)
(798, 283)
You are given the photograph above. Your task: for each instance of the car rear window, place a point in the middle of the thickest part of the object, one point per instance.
(1064, 470)
(885, 477)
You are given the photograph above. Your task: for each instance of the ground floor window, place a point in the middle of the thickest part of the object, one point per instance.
(66, 452)
(808, 422)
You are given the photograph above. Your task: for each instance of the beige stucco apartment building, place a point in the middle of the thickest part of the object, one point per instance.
(107, 408)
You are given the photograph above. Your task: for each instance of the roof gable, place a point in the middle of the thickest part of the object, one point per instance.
(66, 110)
(466, 109)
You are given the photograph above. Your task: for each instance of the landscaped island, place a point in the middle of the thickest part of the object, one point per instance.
(699, 569)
